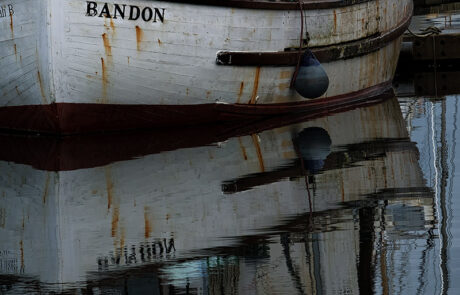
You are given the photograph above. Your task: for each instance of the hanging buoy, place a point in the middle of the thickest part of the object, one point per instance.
(311, 80)
(314, 145)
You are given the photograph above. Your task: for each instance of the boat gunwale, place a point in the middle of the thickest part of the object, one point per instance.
(273, 5)
(324, 54)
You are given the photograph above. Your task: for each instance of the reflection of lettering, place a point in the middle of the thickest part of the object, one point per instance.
(145, 252)
(6, 10)
(2, 217)
(133, 12)
(9, 262)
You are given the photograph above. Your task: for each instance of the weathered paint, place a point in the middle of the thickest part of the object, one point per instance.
(240, 93)
(139, 36)
(258, 150)
(255, 86)
(115, 221)
(42, 89)
(11, 26)
(109, 187)
(243, 149)
(107, 47)
(104, 80)
(46, 190)
(147, 224)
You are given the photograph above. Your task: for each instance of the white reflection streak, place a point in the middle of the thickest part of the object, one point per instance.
(436, 196)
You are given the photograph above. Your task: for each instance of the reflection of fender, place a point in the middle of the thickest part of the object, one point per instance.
(347, 156)
(314, 146)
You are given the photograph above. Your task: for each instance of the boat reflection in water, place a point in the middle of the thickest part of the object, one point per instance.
(311, 207)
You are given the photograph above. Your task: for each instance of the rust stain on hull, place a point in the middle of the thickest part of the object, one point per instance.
(335, 21)
(243, 149)
(21, 251)
(11, 26)
(45, 192)
(42, 89)
(115, 220)
(112, 25)
(240, 93)
(122, 238)
(104, 81)
(284, 86)
(255, 139)
(109, 185)
(256, 86)
(107, 47)
(139, 35)
(147, 224)
(285, 75)
(16, 51)
(2, 217)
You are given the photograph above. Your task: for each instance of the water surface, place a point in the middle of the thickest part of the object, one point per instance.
(341, 204)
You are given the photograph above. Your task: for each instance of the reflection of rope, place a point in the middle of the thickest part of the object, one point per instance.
(305, 175)
(299, 58)
(430, 31)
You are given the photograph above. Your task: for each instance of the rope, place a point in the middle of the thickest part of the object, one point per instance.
(430, 31)
(299, 57)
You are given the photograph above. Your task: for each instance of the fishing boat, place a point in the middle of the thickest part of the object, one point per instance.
(85, 222)
(79, 66)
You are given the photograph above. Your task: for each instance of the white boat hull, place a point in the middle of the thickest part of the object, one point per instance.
(55, 53)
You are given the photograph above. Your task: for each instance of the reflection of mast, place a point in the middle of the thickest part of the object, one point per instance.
(444, 177)
(366, 241)
(429, 246)
(383, 253)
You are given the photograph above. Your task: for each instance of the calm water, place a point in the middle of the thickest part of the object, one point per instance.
(363, 201)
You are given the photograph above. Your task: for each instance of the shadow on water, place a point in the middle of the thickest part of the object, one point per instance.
(299, 205)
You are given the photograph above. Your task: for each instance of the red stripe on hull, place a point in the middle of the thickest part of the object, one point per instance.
(72, 118)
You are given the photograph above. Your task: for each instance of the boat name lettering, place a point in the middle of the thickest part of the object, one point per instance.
(130, 12)
(6, 10)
